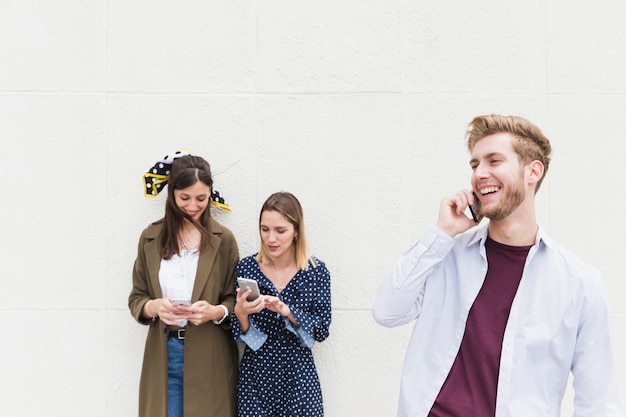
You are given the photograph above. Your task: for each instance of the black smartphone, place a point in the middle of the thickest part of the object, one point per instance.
(475, 208)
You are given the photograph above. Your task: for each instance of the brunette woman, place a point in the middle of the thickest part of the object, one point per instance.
(183, 289)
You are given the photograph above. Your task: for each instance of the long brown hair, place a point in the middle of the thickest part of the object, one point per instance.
(186, 171)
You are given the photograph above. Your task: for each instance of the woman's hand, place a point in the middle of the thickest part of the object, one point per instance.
(243, 308)
(276, 305)
(169, 313)
(201, 311)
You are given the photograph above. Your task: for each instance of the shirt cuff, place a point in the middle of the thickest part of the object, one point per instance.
(224, 316)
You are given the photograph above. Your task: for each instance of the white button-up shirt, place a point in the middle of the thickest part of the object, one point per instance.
(559, 322)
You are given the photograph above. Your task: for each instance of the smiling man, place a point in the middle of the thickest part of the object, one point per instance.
(503, 313)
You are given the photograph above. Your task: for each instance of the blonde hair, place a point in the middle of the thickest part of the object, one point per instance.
(530, 143)
(288, 205)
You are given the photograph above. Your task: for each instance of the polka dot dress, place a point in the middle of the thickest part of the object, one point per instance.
(277, 375)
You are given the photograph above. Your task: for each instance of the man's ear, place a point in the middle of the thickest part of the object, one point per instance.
(535, 171)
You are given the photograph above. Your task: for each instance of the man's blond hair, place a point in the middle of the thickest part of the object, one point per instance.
(530, 143)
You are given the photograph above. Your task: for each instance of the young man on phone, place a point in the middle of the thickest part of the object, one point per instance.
(504, 313)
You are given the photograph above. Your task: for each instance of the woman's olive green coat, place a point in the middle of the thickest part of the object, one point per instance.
(210, 373)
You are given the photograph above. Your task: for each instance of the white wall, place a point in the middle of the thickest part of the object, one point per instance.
(357, 107)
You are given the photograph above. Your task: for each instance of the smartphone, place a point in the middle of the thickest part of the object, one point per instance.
(475, 209)
(246, 284)
(179, 302)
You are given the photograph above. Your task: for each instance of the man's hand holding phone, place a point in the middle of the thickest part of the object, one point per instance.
(474, 208)
(452, 217)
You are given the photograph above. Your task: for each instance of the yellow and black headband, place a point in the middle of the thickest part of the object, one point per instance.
(155, 179)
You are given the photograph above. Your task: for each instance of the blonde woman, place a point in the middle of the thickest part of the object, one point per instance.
(277, 375)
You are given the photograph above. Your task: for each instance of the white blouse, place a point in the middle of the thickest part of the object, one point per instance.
(178, 274)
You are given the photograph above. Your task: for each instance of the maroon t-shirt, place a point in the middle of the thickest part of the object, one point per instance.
(470, 389)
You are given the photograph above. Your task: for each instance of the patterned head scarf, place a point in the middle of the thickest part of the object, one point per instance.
(155, 180)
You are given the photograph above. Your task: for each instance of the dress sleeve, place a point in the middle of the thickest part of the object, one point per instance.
(254, 337)
(315, 319)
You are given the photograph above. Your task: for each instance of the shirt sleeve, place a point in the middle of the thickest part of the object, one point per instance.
(399, 296)
(594, 367)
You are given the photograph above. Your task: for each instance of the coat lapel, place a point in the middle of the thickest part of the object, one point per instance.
(205, 262)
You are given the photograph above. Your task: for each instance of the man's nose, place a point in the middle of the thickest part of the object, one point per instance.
(481, 171)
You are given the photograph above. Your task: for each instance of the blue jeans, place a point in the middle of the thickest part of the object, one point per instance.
(175, 355)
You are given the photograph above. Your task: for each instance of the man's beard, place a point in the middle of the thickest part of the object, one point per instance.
(512, 199)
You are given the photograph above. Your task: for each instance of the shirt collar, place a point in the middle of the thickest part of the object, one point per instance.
(480, 236)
